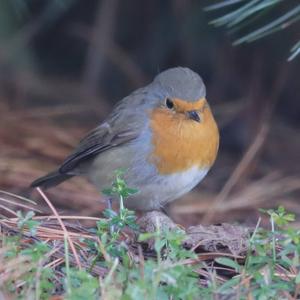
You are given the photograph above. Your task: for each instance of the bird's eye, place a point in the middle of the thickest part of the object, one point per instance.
(169, 103)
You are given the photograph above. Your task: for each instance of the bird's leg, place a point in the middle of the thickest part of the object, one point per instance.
(165, 209)
(108, 203)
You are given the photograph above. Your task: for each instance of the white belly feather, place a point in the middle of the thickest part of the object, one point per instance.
(166, 188)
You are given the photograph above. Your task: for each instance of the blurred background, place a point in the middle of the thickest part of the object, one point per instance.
(64, 64)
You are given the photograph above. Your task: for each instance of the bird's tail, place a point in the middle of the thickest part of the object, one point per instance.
(51, 179)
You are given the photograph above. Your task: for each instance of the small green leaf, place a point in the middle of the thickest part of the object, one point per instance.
(225, 261)
(158, 245)
(109, 213)
(108, 192)
(131, 191)
(146, 236)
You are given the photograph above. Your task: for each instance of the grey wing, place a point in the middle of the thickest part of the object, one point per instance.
(94, 143)
(123, 126)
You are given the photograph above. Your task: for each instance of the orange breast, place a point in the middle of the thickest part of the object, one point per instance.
(180, 143)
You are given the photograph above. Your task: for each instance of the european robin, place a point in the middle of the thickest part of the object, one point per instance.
(164, 135)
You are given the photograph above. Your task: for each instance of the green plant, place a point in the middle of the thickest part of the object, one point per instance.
(27, 222)
(162, 268)
(273, 256)
(28, 277)
(109, 229)
(125, 217)
(167, 276)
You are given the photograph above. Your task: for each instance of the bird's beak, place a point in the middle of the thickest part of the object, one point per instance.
(193, 115)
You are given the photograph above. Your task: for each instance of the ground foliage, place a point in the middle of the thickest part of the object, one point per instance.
(153, 258)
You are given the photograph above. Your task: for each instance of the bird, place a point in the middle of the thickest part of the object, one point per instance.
(163, 136)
